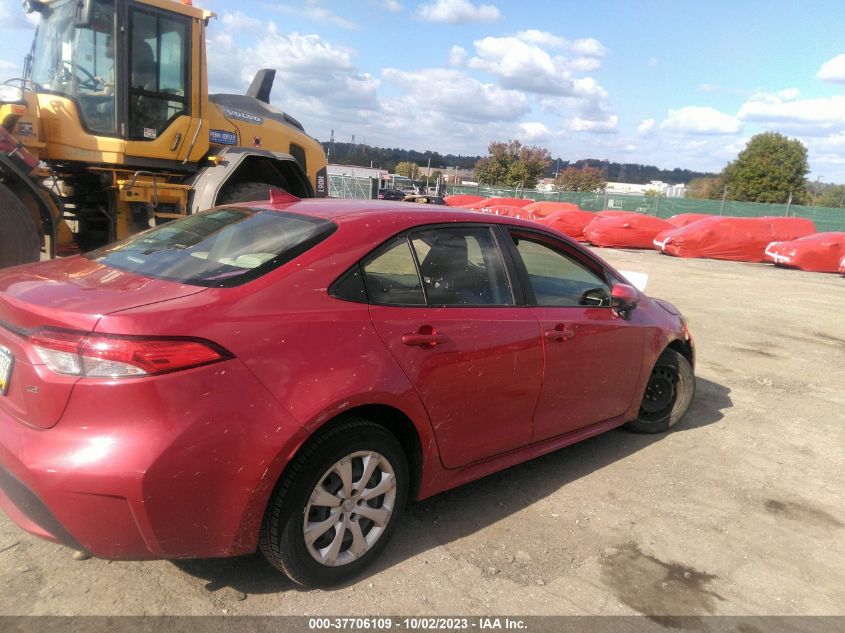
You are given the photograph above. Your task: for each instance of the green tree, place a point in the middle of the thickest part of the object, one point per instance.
(408, 169)
(435, 174)
(585, 179)
(831, 196)
(770, 169)
(705, 188)
(654, 193)
(512, 164)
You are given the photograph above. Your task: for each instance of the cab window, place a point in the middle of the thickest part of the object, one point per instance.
(158, 76)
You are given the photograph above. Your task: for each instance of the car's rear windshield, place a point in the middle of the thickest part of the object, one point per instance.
(222, 247)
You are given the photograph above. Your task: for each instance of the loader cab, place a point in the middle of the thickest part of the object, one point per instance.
(131, 69)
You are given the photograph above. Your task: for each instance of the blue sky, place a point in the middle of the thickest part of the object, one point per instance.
(675, 84)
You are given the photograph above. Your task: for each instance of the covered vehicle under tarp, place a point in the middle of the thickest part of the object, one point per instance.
(820, 253)
(547, 207)
(491, 202)
(633, 230)
(735, 239)
(509, 211)
(682, 219)
(462, 199)
(569, 223)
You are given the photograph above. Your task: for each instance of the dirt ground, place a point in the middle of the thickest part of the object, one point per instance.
(736, 511)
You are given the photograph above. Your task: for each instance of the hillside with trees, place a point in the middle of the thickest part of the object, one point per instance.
(389, 158)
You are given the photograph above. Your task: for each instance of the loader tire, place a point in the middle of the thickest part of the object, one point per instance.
(246, 192)
(19, 240)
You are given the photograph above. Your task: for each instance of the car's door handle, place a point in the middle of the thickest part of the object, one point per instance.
(424, 340)
(560, 333)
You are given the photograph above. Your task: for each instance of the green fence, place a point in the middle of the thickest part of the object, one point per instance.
(826, 219)
(352, 187)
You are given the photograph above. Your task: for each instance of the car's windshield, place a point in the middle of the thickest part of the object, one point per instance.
(220, 247)
(78, 61)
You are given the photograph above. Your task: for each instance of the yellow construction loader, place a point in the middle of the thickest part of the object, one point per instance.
(111, 130)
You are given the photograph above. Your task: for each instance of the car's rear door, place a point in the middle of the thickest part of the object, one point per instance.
(592, 355)
(442, 302)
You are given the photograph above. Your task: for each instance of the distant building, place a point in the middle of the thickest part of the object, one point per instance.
(357, 172)
(631, 189)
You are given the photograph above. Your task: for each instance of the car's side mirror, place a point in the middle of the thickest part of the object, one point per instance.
(623, 299)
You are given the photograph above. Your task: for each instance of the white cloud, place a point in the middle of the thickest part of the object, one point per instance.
(392, 5)
(318, 14)
(455, 94)
(589, 47)
(239, 21)
(708, 88)
(534, 131)
(700, 120)
(653, 62)
(810, 116)
(541, 38)
(458, 56)
(521, 64)
(833, 70)
(458, 12)
(787, 94)
(645, 127)
(314, 75)
(608, 124)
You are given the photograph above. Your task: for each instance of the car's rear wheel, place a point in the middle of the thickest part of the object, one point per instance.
(337, 505)
(668, 394)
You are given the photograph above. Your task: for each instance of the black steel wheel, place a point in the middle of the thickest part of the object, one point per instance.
(668, 394)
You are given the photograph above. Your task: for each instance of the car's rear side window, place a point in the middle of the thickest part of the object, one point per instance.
(221, 247)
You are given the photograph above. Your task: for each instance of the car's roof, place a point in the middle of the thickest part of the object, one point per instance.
(344, 211)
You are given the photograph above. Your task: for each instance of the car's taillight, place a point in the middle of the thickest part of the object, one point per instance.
(103, 356)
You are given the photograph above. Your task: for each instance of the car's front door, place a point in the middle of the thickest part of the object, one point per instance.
(592, 355)
(443, 304)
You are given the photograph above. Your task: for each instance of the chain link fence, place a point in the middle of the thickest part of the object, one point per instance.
(826, 219)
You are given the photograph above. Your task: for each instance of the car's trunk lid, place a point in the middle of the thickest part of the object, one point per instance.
(68, 294)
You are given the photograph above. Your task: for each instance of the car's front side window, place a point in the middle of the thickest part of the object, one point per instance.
(557, 279)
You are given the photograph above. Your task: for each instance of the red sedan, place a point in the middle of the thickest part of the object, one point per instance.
(284, 376)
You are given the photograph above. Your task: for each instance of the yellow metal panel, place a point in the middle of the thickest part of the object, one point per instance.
(60, 120)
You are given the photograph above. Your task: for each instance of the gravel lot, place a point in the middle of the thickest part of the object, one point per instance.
(737, 511)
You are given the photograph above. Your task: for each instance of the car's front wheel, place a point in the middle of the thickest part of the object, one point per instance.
(337, 505)
(668, 394)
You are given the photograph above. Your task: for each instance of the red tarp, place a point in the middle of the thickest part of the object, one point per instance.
(461, 200)
(547, 207)
(842, 266)
(819, 253)
(616, 214)
(509, 211)
(736, 239)
(489, 202)
(682, 219)
(634, 230)
(569, 223)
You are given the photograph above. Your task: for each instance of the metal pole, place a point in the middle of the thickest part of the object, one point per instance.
(788, 203)
(427, 174)
(724, 195)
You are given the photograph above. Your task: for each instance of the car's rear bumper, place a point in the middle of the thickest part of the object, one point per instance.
(169, 467)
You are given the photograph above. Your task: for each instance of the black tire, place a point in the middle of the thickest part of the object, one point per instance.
(246, 192)
(282, 538)
(668, 394)
(19, 239)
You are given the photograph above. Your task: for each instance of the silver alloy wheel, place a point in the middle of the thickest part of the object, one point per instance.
(350, 508)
